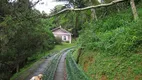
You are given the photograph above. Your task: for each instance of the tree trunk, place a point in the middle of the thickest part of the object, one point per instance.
(79, 54)
(17, 68)
(93, 14)
(76, 26)
(117, 7)
(134, 11)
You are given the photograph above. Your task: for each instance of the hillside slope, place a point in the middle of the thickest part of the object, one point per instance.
(112, 49)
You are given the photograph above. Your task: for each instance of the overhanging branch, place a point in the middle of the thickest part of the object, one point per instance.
(86, 8)
(35, 3)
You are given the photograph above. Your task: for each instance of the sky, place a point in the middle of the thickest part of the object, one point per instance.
(48, 5)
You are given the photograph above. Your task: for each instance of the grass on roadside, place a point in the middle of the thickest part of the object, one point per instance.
(99, 66)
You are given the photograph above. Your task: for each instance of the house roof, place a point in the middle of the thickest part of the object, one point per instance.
(55, 29)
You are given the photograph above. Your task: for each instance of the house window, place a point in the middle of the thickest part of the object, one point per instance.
(65, 38)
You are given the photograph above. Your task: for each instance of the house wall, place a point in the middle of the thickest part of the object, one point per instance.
(59, 33)
(60, 36)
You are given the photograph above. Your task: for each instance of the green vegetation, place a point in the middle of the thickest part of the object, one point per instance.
(98, 66)
(63, 46)
(109, 38)
(113, 47)
(73, 71)
(117, 35)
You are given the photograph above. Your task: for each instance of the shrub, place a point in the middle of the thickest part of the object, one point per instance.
(58, 40)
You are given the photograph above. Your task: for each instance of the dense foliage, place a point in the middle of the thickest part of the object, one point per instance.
(22, 34)
(116, 34)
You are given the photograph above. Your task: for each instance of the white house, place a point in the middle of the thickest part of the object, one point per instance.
(62, 33)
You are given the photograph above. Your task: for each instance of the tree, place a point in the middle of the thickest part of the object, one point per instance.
(23, 33)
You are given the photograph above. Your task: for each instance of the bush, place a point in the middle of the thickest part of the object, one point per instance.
(58, 40)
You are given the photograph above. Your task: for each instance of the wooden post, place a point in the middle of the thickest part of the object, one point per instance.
(134, 11)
